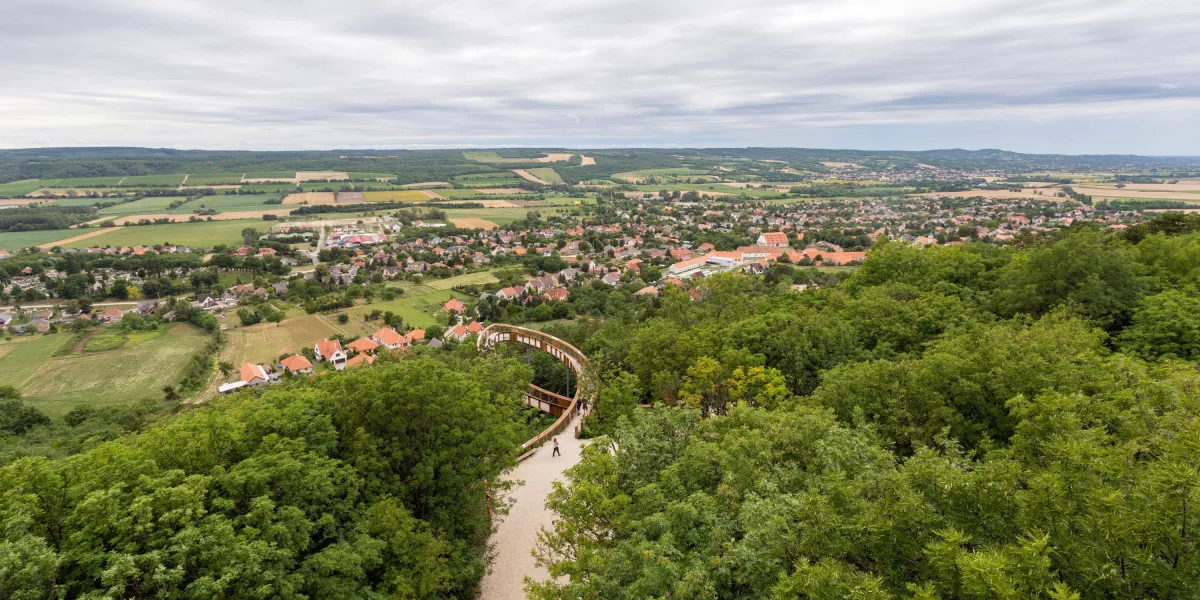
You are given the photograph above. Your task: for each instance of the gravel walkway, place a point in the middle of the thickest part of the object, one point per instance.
(516, 536)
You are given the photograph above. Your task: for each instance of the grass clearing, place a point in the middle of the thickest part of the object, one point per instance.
(466, 279)
(272, 175)
(138, 370)
(264, 342)
(143, 206)
(356, 175)
(417, 308)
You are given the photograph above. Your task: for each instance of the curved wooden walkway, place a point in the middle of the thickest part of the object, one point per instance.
(516, 534)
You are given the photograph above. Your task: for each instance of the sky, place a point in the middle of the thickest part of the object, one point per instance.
(1074, 76)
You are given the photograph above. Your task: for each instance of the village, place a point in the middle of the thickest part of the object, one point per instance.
(637, 247)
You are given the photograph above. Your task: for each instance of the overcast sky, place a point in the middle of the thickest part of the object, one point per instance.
(1097, 76)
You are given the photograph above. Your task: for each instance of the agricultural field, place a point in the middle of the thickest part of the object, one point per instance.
(272, 175)
(214, 179)
(396, 196)
(203, 234)
(483, 192)
(712, 189)
(271, 188)
(16, 240)
(546, 174)
(55, 377)
(355, 175)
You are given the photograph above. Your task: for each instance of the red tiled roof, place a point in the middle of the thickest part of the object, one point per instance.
(295, 363)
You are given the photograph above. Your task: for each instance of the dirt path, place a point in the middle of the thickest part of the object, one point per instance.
(72, 240)
(526, 175)
(516, 535)
(185, 176)
(122, 180)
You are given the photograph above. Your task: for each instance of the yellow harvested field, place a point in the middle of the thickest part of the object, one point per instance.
(474, 223)
(82, 236)
(177, 218)
(526, 175)
(496, 203)
(1128, 193)
(302, 176)
(432, 195)
(232, 186)
(587, 161)
(838, 165)
(554, 157)
(396, 196)
(310, 198)
(19, 202)
(67, 192)
(425, 184)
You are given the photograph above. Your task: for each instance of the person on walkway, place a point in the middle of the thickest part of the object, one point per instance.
(556, 452)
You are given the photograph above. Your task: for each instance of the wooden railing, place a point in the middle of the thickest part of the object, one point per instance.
(568, 354)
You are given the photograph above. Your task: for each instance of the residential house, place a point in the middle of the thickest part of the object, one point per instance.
(454, 305)
(111, 315)
(253, 375)
(296, 364)
(777, 239)
(360, 360)
(331, 352)
(390, 338)
(364, 345)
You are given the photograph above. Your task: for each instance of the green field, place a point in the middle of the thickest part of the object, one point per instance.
(20, 188)
(82, 201)
(214, 179)
(272, 175)
(486, 176)
(546, 174)
(23, 239)
(356, 175)
(123, 370)
(270, 188)
(205, 234)
(86, 182)
(153, 181)
(499, 216)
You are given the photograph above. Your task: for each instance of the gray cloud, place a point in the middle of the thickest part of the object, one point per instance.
(1069, 75)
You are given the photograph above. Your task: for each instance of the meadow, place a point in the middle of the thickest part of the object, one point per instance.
(271, 175)
(153, 181)
(116, 370)
(203, 234)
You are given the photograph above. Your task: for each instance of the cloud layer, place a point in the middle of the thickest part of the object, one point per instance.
(1059, 76)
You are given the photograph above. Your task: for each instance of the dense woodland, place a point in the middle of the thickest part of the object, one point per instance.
(956, 422)
(355, 485)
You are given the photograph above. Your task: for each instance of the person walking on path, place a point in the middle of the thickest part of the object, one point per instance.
(556, 452)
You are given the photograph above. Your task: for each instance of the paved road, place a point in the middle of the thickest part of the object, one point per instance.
(516, 536)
